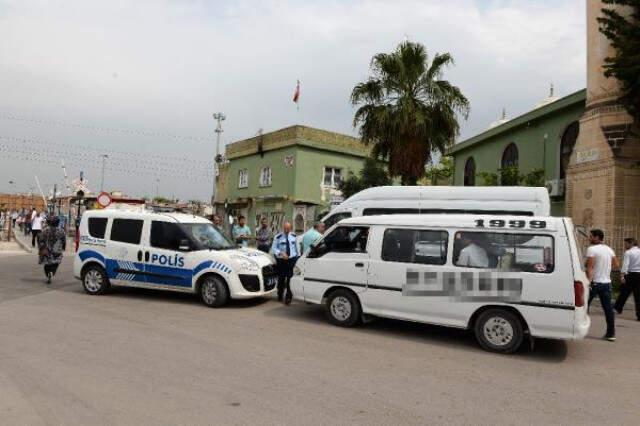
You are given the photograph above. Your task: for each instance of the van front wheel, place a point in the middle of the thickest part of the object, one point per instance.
(343, 308)
(213, 292)
(499, 330)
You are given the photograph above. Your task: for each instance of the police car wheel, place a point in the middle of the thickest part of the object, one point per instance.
(94, 280)
(342, 308)
(213, 292)
(499, 330)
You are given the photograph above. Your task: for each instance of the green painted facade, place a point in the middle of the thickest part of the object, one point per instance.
(297, 157)
(537, 136)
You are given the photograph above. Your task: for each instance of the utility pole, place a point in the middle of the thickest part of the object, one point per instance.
(104, 160)
(219, 117)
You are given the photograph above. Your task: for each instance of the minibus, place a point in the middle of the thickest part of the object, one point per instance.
(506, 278)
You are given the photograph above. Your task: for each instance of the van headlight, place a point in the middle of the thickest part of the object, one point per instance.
(246, 264)
(297, 270)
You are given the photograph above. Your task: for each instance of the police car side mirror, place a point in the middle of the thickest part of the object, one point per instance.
(185, 245)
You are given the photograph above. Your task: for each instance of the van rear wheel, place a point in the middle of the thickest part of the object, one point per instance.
(213, 292)
(342, 308)
(499, 330)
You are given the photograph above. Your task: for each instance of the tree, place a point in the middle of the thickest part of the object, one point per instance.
(624, 34)
(442, 172)
(406, 110)
(373, 173)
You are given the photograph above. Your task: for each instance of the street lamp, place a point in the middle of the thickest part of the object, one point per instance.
(219, 158)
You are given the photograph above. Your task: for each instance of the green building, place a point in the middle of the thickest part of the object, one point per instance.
(286, 175)
(543, 138)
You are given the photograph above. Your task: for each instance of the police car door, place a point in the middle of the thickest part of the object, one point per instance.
(124, 251)
(341, 258)
(167, 254)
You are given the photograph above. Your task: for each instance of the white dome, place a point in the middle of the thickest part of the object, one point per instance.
(503, 119)
(546, 101)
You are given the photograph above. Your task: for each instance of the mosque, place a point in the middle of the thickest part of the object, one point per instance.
(586, 143)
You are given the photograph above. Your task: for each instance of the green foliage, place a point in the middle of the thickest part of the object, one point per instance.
(161, 200)
(441, 172)
(373, 173)
(510, 176)
(406, 110)
(624, 34)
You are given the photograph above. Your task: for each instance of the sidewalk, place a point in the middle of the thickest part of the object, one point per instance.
(23, 241)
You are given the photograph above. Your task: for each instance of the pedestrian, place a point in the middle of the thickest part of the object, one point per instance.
(36, 228)
(52, 243)
(312, 235)
(14, 217)
(217, 221)
(630, 278)
(600, 260)
(285, 250)
(264, 236)
(241, 233)
(26, 223)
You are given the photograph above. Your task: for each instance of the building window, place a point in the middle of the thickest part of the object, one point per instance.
(470, 172)
(510, 156)
(243, 178)
(569, 138)
(332, 176)
(265, 176)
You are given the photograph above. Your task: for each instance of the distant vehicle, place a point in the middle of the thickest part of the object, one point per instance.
(168, 251)
(504, 200)
(526, 277)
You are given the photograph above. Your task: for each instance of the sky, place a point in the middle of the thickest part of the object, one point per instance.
(140, 80)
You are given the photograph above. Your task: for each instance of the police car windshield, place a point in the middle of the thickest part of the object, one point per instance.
(206, 236)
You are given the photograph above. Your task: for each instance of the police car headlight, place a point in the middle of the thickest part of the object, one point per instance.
(246, 264)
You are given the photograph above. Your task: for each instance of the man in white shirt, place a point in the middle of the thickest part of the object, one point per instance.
(472, 254)
(36, 227)
(630, 276)
(600, 260)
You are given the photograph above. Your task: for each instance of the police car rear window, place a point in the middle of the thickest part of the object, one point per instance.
(97, 226)
(126, 231)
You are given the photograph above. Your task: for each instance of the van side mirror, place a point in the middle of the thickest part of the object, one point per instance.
(185, 245)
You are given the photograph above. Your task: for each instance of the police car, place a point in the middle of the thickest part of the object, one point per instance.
(168, 251)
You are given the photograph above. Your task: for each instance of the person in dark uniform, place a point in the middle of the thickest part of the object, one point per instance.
(285, 250)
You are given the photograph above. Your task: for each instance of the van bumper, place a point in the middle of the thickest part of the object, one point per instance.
(581, 327)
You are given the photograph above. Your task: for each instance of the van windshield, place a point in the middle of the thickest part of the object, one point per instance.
(207, 236)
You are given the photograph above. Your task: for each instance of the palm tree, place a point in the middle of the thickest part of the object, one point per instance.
(406, 111)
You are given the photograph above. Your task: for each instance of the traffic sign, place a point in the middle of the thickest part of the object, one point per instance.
(104, 199)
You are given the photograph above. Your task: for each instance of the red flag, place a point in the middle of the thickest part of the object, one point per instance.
(296, 94)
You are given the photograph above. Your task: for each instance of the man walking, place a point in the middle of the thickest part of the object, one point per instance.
(312, 235)
(263, 236)
(285, 250)
(630, 276)
(36, 227)
(600, 260)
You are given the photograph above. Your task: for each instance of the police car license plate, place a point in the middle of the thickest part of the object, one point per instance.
(272, 281)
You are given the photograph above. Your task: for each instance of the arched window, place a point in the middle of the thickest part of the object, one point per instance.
(567, 143)
(470, 172)
(510, 156)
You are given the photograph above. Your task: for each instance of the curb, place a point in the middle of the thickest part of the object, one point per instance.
(26, 247)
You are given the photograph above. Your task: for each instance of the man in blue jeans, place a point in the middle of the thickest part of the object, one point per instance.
(600, 260)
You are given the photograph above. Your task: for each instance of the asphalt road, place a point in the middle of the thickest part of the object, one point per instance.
(144, 357)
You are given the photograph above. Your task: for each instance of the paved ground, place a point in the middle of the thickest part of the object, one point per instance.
(144, 357)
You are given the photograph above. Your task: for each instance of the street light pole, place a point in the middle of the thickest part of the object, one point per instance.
(219, 117)
(104, 160)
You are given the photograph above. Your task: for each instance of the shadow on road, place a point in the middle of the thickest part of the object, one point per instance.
(151, 295)
(545, 350)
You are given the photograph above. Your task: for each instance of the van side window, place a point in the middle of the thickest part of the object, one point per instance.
(97, 226)
(335, 218)
(166, 235)
(504, 252)
(126, 230)
(415, 246)
(343, 239)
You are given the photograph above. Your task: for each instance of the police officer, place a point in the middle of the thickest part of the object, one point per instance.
(286, 252)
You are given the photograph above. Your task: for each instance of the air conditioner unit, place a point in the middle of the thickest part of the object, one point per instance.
(555, 187)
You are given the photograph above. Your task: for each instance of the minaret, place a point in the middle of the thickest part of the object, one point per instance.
(602, 177)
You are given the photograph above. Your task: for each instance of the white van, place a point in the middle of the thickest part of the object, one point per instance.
(168, 251)
(384, 200)
(504, 277)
